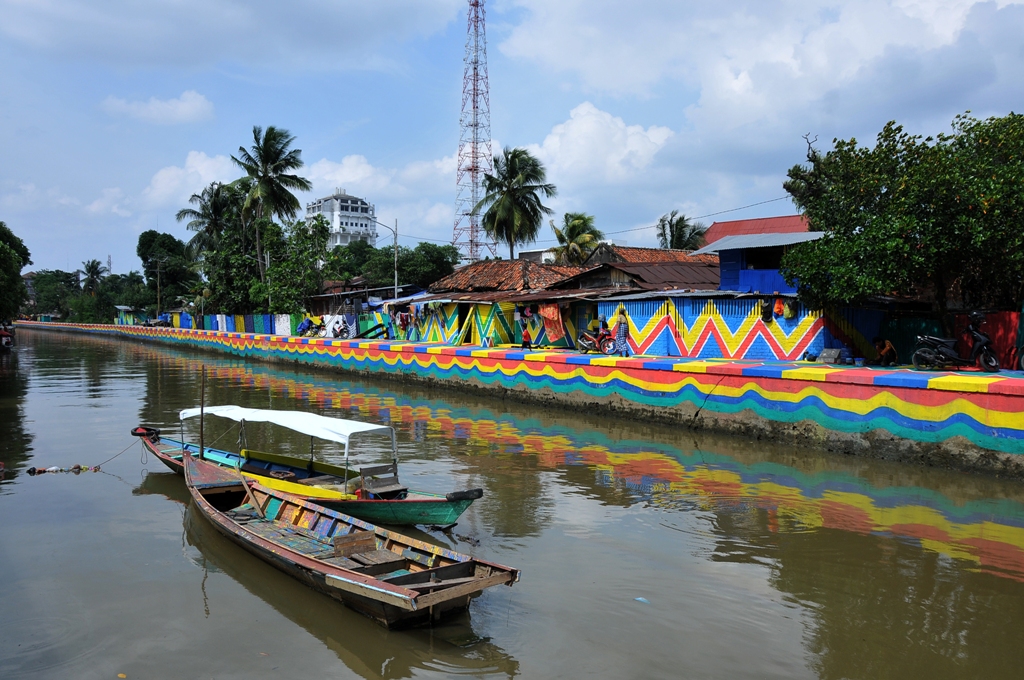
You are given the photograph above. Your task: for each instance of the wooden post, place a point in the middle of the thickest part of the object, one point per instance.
(202, 408)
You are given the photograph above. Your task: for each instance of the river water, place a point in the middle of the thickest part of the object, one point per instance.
(646, 551)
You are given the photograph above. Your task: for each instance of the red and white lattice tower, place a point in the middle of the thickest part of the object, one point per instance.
(474, 140)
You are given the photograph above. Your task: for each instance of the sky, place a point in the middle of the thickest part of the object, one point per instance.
(114, 112)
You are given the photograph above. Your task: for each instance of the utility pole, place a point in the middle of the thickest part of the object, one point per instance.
(396, 258)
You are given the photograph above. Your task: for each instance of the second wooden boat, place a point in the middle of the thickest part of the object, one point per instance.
(380, 497)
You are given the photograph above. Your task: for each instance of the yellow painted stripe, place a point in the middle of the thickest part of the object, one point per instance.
(816, 374)
(963, 383)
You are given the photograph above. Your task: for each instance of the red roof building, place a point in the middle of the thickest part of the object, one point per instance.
(788, 224)
(607, 252)
(503, 275)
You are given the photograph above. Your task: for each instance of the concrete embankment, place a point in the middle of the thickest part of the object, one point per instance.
(968, 421)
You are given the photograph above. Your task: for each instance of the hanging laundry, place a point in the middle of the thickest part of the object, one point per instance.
(552, 322)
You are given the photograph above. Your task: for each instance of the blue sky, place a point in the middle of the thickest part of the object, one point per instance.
(113, 113)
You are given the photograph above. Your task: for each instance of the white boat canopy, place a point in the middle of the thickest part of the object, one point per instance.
(321, 427)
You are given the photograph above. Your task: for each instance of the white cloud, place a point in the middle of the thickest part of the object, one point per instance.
(354, 173)
(188, 108)
(110, 201)
(28, 196)
(172, 186)
(595, 146)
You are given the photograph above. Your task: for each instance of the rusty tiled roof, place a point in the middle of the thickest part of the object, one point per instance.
(607, 252)
(788, 224)
(503, 275)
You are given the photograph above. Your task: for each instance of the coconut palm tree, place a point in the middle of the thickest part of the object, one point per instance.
(576, 239)
(269, 164)
(93, 271)
(514, 211)
(208, 219)
(676, 232)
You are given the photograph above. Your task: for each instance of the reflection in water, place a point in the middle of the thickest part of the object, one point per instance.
(452, 648)
(15, 441)
(508, 452)
(882, 570)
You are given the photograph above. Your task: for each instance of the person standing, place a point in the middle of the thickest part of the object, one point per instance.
(622, 334)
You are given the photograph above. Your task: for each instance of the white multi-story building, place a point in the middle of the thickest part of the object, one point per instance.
(351, 219)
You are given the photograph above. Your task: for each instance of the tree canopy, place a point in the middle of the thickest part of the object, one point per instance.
(14, 257)
(935, 218)
(512, 203)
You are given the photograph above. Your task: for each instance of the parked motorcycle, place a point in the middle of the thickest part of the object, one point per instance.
(601, 341)
(939, 353)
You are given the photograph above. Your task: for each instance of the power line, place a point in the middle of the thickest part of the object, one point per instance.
(621, 231)
(698, 217)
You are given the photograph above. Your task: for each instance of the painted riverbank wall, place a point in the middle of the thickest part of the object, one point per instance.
(968, 421)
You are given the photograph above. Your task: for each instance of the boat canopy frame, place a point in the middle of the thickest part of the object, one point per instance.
(316, 426)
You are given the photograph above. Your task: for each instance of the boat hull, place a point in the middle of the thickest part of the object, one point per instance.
(414, 583)
(420, 508)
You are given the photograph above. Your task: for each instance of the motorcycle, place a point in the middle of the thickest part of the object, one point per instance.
(938, 353)
(602, 341)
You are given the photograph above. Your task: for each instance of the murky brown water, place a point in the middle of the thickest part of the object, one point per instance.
(646, 552)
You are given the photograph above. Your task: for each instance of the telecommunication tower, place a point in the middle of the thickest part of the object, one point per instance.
(474, 139)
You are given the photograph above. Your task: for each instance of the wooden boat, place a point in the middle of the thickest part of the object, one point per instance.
(396, 580)
(382, 498)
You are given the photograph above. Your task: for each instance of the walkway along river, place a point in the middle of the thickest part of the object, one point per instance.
(968, 421)
(648, 551)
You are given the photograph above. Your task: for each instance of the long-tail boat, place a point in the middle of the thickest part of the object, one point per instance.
(393, 579)
(382, 498)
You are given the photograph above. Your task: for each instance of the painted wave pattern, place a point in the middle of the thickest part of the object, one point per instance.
(921, 407)
(987, 534)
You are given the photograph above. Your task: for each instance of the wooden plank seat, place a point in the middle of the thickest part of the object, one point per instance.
(382, 480)
(377, 557)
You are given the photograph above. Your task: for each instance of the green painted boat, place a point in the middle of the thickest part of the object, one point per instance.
(373, 493)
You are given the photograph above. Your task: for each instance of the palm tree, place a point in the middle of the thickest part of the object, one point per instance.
(268, 164)
(208, 219)
(676, 232)
(514, 211)
(576, 239)
(93, 271)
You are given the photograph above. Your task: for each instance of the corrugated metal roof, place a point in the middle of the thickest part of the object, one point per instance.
(787, 224)
(672, 274)
(760, 241)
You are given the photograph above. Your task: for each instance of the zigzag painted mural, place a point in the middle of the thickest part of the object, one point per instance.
(721, 328)
(921, 407)
(987, 533)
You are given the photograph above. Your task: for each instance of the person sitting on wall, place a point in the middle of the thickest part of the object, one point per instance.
(886, 353)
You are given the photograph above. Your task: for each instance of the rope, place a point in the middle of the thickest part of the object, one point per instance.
(118, 454)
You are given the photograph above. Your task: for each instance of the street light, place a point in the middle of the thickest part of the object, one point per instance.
(395, 232)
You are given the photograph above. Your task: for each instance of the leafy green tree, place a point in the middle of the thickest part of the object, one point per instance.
(268, 164)
(512, 206)
(677, 232)
(300, 274)
(54, 290)
(129, 290)
(169, 271)
(347, 262)
(418, 266)
(933, 218)
(576, 239)
(14, 257)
